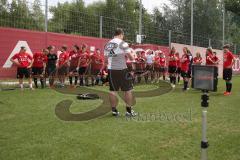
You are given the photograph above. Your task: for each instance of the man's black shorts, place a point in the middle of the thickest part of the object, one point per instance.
(162, 69)
(37, 71)
(51, 70)
(82, 70)
(172, 69)
(120, 79)
(184, 74)
(95, 72)
(149, 67)
(179, 71)
(227, 74)
(63, 71)
(73, 69)
(23, 72)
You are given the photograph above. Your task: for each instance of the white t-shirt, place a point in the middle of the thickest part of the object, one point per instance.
(150, 58)
(116, 50)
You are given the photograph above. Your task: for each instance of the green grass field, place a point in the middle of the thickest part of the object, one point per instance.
(30, 130)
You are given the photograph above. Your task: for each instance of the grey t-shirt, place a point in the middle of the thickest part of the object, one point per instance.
(116, 50)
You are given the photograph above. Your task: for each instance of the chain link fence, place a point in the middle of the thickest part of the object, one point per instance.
(31, 16)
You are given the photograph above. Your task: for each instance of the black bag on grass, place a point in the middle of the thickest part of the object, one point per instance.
(87, 96)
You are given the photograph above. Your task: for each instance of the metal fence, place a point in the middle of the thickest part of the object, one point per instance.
(98, 26)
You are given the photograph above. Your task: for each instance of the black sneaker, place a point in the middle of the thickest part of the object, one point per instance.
(132, 114)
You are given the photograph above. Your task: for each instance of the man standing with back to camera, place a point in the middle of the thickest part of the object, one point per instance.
(115, 52)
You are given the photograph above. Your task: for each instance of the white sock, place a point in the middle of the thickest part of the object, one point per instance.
(30, 85)
(21, 86)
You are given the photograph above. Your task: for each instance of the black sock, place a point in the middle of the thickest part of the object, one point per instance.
(171, 79)
(178, 79)
(228, 86)
(114, 109)
(81, 81)
(35, 82)
(139, 79)
(174, 80)
(129, 109)
(185, 85)
(164, 78)
(42, 82)
(76, 79)
(70, 80)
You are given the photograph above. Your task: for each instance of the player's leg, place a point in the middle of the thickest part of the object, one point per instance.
(227, 76)
(185, 80)
(35, 74)
(41, 75)
(27, 74)
(20, 77)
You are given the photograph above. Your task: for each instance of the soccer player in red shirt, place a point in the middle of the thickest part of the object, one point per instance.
(39, 66)
(228, 62)
(24, 61)
(73, 58)
(63, 65)
(178, 74)
(156, 67)
(140, 64)
(210, 57)
(97, 64)
(83, 65)
(162, 64)
(185, 61)
(172, 66)
(198, 59)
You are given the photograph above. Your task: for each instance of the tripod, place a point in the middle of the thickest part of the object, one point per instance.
(204, 142)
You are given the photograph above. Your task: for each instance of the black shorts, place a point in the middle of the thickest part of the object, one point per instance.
(95, 72)
(149, 67)
(184, 74)
(73, 69)
(82, 70)
(162, 69)
(63, 71)
(179, 71)
(130, 67)
(172, 69)
(51, 70)
(23, 72)
(37, 71)
(120, 79)
(227, 74)
(189, 74)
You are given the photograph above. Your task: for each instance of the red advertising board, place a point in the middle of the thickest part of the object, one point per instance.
(12, 39)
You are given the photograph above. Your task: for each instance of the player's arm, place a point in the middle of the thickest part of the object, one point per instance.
(14, 61)
(31, 61)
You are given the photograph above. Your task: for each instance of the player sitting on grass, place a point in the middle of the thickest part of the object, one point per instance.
(24, 61)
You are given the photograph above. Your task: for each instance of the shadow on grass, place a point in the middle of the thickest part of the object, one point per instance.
(62, 109)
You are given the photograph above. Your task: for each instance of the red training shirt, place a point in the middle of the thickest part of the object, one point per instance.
(39, 59)
(172, 60)
(185, 61)
(23, 58)
(63, 58)
(97, 61)
(228, 58)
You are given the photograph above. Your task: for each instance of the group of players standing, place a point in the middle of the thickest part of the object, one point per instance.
(80, 65)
